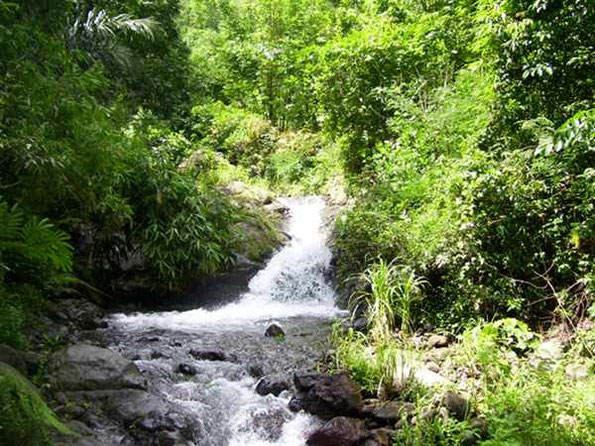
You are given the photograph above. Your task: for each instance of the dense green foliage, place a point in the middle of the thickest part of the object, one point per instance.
(459, 136)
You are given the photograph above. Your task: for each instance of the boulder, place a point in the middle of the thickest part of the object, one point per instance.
(141, 413)
(387, 412)
(428, 378)
(380, 437)
(273, 386)
(255, 370)
(304, 381)
(457, 405)
(208, 354)
(438, 341)
(340, 431)
(276, 207)
(187, 369)
(295, 404)
(87, 367)
(331, 396)
(274, 330)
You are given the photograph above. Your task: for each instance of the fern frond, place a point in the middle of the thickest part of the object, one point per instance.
(43, 242)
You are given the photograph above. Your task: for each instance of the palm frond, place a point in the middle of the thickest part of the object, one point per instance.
(99, 34)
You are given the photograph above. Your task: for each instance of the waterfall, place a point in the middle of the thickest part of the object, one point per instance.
(293, 289)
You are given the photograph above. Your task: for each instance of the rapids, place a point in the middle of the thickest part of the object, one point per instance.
(292, 289)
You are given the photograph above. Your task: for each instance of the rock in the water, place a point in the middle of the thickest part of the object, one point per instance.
(339, 431)
(295, 404)
(457, 405)
(255, 370)
(331, 396)
(438, 341)
(304, 381)
(271, 386)
(208, 354)
(274, 330)
(276, 207)
(187, 369)
(86, 367)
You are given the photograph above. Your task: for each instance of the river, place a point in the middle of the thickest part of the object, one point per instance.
(293, 289)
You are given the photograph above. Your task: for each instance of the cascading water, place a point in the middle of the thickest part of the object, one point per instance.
(292, 289)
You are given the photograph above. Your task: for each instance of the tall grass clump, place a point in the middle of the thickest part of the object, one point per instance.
(388, 298)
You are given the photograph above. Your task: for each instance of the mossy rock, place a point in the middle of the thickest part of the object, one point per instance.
(25, 419)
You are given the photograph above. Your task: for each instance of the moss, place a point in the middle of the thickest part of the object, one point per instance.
(25, 419)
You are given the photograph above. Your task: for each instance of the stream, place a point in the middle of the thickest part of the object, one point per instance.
(294, 290)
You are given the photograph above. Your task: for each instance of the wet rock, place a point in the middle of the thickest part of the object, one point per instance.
(339, 431)
(457, 405)
(142, 414)
(438, 341)
(187, 369)
(156, 354)
(295, 404)
(304, 380)
(276, 207)
(255, 370)
(331, 396)
(87, 367)
(274, 330)
(208, 355)
(269, 423)
(273, 386)
(387, 412)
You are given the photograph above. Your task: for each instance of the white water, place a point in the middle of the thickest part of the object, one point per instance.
(292, 289)
(292, 284)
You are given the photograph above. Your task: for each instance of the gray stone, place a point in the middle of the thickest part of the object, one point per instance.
(208, 354)
(381, 436)
(272, 386)
(457, 405)
(331, 396)
(86, 367)
(304, 381)
(428, 378)
(274, 330)
(187, 369)
(387, 412)
(438, 341)
(295, 404)
(339, 431)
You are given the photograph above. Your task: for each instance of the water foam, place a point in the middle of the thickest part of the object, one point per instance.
(293, 283)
